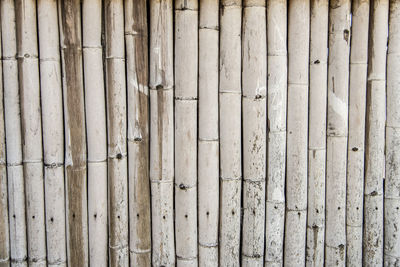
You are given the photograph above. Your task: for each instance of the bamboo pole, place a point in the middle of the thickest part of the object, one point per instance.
(4, 227)
(375, 134)
(16, 188)
(75, 134)
(186, 73)
(230, 94)
(29, 87)
(392, 181)
(96, 131)
(136, 42)
(337, 132)
(117, 139)
(297, 124)
(254, 73)
(53, 131)
(276, 108)
(162, 132)
(355, 147)
(317, 133)
(208, 134)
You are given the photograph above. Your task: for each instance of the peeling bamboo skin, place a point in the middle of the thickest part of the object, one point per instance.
(136, 42)
(4, 227)
(96, 131)
(254, 73)
(276, 123)
(317, 133)
(161, 82)
(75, 133)
(337, 132)
(230, 132)
(208, 135)
(355, 147)
(392, 181)
(297, 124)
(375, 135)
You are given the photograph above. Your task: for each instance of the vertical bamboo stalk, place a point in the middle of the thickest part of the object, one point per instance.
(4, 227)
(16, 188)
(317, 133)
(375, 134)
(162, 132)
(96, 131)
(136, 42)
(276, 107)
(254, 73)
(337, 132)
(28, 67)
(53, 131)
(392, 180)
(186, 73)
(230, 98)
(117, 143)
(208, 134)
(75, 133)
(297, 124)
(355, 147)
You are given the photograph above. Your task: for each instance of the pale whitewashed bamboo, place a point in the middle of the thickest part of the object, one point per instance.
(375, 135)
(4, 229)
(75, 133)
(208, 135)
(96, 131)
(317, 133)
(29, 87)
(230, 99)
(16, 190)
(162, 132)
(337, 129)
(186, 73)
(392, 180)
(53, 131)
(297, 124)
(355, 147)
(117, 138)
(276, 107)
(254, 80)
(136, 42)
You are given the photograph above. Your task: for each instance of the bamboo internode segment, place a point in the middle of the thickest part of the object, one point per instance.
(199, 133)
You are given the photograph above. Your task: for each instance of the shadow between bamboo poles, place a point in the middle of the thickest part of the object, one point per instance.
(75, 133)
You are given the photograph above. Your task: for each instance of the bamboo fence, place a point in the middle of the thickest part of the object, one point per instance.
(199, 133)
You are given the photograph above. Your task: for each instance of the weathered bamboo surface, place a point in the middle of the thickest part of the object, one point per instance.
(199, 133)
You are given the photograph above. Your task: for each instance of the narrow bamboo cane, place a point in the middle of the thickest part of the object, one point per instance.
(297, 124)
(276, 107)
(392, 180)
(375, 135)
(53, 131)
(337, 129)
(75, 133)
(96, 131)
(254, 74)
(317, 133)
(208, 135)
(4, 227)
(355, 147)
(230, 98)
(117, 142)
(136, 42)
(16, 188)
(162, 132)
(186, 73)
(29, 87)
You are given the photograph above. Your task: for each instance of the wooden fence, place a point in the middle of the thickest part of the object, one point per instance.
(200, 133)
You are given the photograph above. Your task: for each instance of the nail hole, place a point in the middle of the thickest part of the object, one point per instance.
(119, 156)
